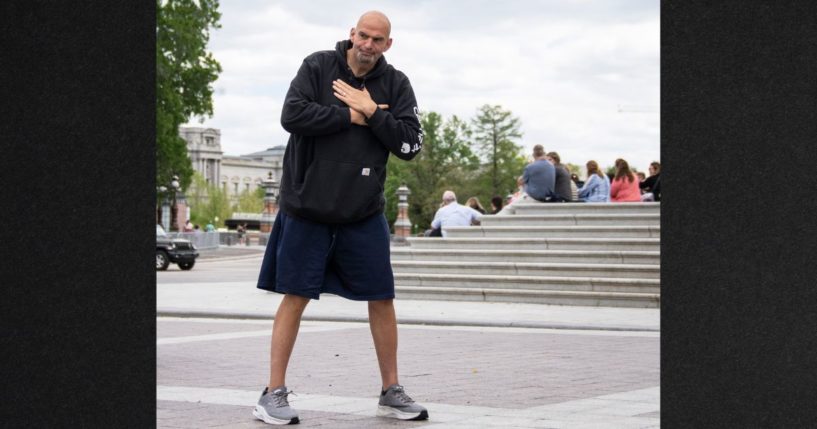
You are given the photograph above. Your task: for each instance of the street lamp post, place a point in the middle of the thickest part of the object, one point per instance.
(402, 225)
(175, 187)
(181, 204)
(270, 186)
(163, 211)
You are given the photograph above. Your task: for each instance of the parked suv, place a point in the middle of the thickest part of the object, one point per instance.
(177, 250)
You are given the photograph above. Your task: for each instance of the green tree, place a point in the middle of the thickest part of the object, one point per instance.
(196, 193)
(495, 131)
(573, 169)
(446, 161)
(250, 201)
(185, 71)
(208, 202)
(395, 176)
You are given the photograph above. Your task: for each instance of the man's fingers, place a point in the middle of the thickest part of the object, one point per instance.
(341, 86)
(341, 97)
(383, 106)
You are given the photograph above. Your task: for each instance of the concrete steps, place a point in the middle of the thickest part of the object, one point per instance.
(541, 283)
(521, 256)
(565, 254)
(532, 269)
(512, 243)
(568, 219)
(572, 231)
(593, 299)
(587, 208)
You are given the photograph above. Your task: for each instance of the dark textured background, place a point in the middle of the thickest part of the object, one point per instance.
(739, 125)
(77, 109)
(738, 242)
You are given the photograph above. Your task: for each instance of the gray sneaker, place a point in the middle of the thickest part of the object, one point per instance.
(273, 407)
(395, 403)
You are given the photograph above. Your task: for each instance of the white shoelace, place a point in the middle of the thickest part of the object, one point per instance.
(280, 398)
(403, 395)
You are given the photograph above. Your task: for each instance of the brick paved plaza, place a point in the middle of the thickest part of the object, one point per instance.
(210, 372)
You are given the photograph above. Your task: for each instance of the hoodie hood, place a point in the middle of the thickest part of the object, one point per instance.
(344, 45)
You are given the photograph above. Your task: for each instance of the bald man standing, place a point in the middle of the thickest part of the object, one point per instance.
(346, 110)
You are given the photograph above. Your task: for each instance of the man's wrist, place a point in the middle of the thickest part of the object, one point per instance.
(356, 117)
(371, 111)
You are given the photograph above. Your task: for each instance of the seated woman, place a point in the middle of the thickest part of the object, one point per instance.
(597, 187)
(625, 186)
(473, 202)
(496, 204)
(648, 185)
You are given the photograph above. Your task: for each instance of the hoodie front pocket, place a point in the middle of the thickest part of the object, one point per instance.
(340, 192)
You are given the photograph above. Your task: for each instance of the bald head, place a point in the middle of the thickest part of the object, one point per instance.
(377, 19)
(449, 197)
(370, 39)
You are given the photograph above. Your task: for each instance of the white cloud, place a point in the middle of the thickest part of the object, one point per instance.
(562, 67)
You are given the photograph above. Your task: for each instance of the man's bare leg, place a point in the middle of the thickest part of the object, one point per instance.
(284, 332)
(383, 323)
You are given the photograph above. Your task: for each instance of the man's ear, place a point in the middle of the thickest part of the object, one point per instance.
(388, 45)
(351, 33)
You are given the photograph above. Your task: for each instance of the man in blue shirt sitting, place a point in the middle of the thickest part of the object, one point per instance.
(538, 181)
(454, 214)
(539, 177)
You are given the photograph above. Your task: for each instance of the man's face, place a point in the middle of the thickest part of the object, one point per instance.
(652, 170)
(370, 39)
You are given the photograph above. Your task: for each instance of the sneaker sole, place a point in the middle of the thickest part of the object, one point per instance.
(386, 411)
(262, 415)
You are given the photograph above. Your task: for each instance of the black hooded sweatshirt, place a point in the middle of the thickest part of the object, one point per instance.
(334, 171)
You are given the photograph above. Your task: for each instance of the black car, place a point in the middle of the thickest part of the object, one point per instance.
(178, 251)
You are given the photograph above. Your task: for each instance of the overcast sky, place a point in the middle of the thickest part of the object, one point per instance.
(565, 68)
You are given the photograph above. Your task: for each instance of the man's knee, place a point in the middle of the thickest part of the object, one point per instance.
(294, 302)
(382, 304)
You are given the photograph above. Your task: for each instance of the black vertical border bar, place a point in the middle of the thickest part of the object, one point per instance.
(77, 133)
(739, 236)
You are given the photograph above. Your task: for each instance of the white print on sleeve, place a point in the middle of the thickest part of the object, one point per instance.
(405, 148)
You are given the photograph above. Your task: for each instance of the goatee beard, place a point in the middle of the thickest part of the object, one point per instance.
(365, 59)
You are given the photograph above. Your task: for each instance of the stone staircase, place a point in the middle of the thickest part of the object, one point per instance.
(569, 254)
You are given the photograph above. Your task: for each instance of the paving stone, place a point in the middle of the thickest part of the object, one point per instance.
(522, 377)
(167, 329)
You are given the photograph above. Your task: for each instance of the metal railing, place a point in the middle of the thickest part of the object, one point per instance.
(202, 240)
(230, 238)
(211, 240)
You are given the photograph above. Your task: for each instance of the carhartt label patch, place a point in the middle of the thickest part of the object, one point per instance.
(365, 172)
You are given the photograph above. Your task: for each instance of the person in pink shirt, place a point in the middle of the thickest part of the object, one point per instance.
(625, 185)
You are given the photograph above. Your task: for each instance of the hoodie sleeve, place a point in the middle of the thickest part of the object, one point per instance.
(398, 128)
(302, 114)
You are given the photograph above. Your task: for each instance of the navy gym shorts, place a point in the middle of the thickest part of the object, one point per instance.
(307, 258)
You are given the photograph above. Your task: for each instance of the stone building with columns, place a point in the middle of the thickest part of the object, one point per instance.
(235, 173)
